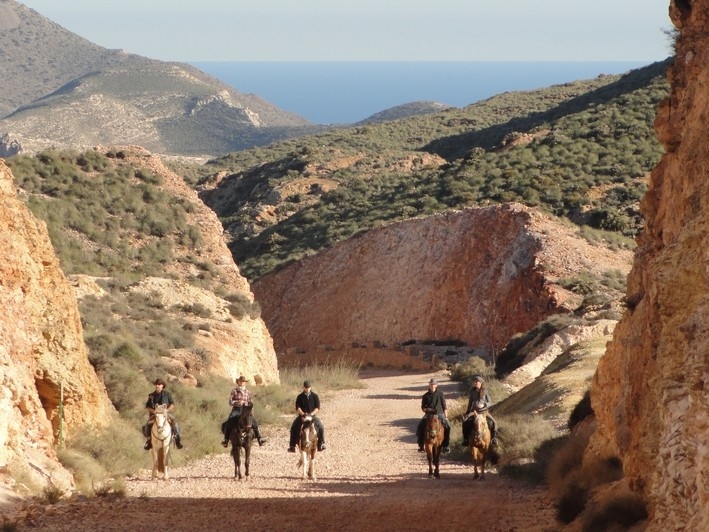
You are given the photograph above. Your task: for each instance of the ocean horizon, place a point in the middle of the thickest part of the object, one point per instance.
(348, 92)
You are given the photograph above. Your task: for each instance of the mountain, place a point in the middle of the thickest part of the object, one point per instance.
(406, 110)
(580, 150)
(61, 90)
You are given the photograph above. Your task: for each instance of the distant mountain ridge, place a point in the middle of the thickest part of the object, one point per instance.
(59, 89)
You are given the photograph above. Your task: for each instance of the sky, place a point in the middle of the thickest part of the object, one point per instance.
(371, 30)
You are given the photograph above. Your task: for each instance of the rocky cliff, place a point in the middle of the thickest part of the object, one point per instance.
(650, 390)
(478, 276)
(42, 354)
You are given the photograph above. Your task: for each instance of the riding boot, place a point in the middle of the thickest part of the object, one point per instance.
(446, 440)
(419, 434)
(294, 429)
(178, 443)
(466, 430)
(257, 433)
(226, 430)
(148, 445)
(321, 441)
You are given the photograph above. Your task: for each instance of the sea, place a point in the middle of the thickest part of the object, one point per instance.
(347, 92)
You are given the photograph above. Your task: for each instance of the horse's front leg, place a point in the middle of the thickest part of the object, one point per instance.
(304, 460)
(155, 463)
(436, 463)
(429, 456)
(311, 465)
(247, 457)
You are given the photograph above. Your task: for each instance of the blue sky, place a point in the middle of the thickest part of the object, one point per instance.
(371, 30)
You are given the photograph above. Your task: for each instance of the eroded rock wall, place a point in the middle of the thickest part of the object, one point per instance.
(42, 348)
(650, 390)
(477, 275)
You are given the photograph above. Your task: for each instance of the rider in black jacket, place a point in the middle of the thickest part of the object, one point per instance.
(434, 398)
(161, 397)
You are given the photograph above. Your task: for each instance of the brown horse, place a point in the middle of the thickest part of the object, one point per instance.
(433, 441)
(241, 437)
(479, 442)
(308, 447)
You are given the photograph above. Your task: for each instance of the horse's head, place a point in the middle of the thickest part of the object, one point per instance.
(246, 417)
(160, 416)
(481, 433)
(434, 426)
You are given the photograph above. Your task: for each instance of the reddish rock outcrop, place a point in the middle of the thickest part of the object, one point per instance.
(42, 351)
(650, 391)
(477, 275)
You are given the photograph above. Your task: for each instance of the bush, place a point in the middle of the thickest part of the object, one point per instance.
(621, 513)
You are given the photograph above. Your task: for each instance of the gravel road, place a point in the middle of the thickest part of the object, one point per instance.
(370, 477)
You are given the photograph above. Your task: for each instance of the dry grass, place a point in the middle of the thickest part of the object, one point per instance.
(366, 357)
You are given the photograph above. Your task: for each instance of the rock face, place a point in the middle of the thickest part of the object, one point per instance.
(478, 275)
(41, 346)
(650, 391)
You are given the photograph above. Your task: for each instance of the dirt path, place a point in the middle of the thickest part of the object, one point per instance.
(370, 477)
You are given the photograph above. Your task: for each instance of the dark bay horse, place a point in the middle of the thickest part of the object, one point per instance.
(242, 437)
(308, 447)
(433, 441)
(479, 442)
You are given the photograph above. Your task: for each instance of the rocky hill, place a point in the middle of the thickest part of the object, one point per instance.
(48, 73)
(148, 289)
(650, 391)
(580, 151)
(477, 276)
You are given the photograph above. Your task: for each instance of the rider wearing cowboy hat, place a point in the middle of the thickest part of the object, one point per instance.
(479, 400)
(161, 397)
(239, 397)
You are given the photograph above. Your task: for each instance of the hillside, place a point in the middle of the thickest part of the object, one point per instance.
(47, 73)
(581, 151)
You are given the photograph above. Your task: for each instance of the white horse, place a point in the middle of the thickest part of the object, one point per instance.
(161, 437)
(308, 447)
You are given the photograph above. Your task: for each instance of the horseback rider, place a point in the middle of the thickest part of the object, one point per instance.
(161, 397)
(479, 400)
(239, 397)
(306, 403)
(435, 399)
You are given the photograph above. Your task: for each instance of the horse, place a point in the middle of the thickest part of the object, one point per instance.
(308, 447)
(242, 437)
(160, 437)
(433, 441)
(479, 442)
